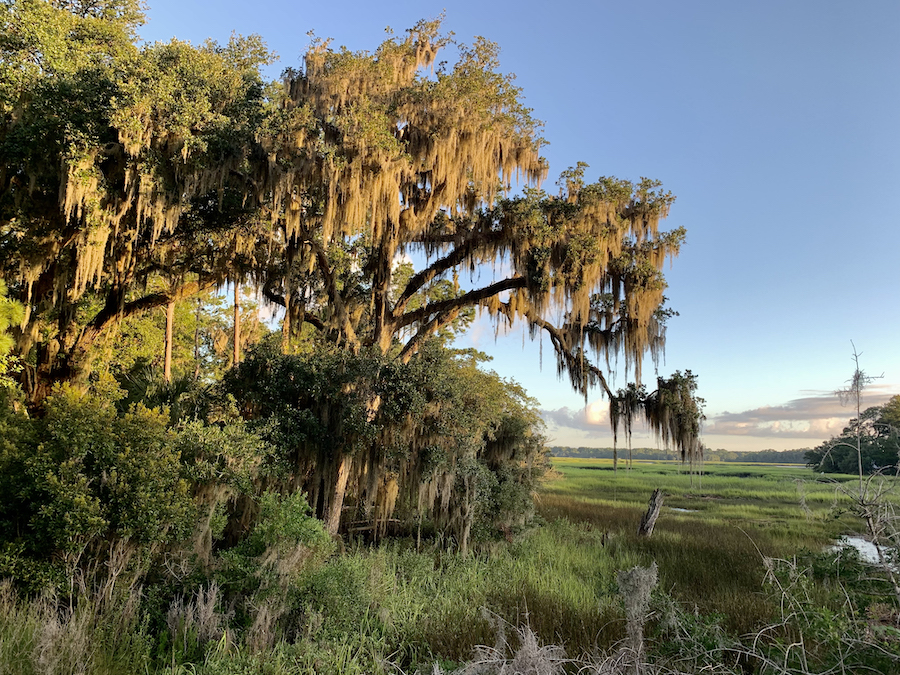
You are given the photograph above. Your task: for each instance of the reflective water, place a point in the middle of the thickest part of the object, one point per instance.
(867, 550)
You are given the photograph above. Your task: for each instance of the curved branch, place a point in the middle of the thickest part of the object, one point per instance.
(469, 299)
(575, 364)
(456, 257)
(111, 313)
(314, 321)
(333, 295)
(426, 331)
(271, 295)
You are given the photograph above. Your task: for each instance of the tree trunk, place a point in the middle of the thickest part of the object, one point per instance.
(649, 519)
(333, 516)
(197, 341)
(466, 516)
(236, 356)
(286, 324)
(170, 322)
(52, 367)
(383, 329)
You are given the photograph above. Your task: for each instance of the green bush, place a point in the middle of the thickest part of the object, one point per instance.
(336, 598)
(84, 478)
(286, 521)
(17, 442)
(97, 476)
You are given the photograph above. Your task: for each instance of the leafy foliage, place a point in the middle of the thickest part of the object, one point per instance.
(10, 315)
(879, 433)
(202, 343)
(435, 437)
(88, 477)
(93, 475)
(117, 168)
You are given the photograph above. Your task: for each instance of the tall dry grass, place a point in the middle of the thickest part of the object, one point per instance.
(90, 634)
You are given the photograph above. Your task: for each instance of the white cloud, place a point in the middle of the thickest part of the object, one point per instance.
(817, 417)
(804, 421)
(592, 418)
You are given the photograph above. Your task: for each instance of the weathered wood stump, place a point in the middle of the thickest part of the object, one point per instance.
(648, 521)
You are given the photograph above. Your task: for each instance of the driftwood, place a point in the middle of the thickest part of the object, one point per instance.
(649, 519)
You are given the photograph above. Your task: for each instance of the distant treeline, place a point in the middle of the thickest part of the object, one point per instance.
(769, 456)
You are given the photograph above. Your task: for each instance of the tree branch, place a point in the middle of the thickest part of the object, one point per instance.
(333, 294)
(469, 299)
(438, 267)
(110, 315)
(575, 364)
(314, 321)
(426, 331)
(271, 295)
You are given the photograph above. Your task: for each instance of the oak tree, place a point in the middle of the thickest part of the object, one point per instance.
(119, 165)
(373, 156)
(122, 165)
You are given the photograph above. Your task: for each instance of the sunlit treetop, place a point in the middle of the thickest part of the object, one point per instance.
(378, 148)
(170, 160)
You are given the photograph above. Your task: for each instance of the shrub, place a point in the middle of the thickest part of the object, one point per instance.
(84, 481)
(96, 476)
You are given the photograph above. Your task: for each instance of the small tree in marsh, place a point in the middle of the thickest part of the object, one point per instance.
(876, 430)
(871, 501)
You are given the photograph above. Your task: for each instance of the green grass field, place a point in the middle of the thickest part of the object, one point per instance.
(714, 529)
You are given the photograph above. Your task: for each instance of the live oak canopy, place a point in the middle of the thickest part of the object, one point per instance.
(122, 163)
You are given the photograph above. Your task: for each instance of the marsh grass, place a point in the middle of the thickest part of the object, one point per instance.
(92, 635)
(394, 609)
(711, 556)
(559, 579)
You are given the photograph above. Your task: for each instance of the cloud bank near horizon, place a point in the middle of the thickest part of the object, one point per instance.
(818, 416)
(815, 417)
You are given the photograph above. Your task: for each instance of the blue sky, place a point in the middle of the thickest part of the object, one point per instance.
(776, 125)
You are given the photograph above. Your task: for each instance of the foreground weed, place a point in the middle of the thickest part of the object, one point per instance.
(90, 636)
